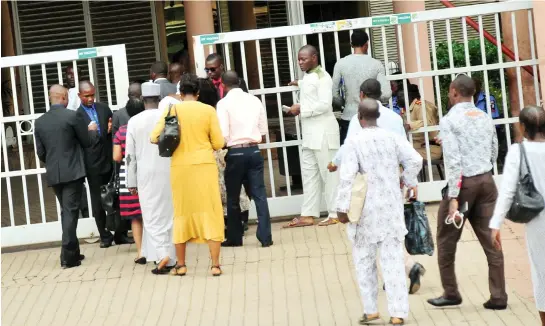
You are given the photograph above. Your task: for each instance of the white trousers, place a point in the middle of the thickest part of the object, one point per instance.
(317, 179)
(393, 270)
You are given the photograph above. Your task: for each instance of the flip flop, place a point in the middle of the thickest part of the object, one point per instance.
(297, 222)
(368, 318)
(328, 221)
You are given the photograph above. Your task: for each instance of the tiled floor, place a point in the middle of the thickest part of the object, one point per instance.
(306, 278)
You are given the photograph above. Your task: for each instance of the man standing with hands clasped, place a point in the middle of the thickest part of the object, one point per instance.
(321, 141)
(470, 147)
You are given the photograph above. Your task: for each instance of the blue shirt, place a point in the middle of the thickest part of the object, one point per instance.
(92, 113)
(395, 107)
(481, 105)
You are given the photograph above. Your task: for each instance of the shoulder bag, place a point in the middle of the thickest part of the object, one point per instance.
(109, 198)
(528, 202)
(170, 136)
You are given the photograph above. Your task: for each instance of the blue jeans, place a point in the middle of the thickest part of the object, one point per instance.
(246, 164)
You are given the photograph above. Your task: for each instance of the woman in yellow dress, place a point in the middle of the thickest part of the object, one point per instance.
(198, 213)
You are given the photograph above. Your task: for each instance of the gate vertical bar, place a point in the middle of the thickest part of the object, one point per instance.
(533, 50)
(502, 78)
(292, 77)
(435, 67)
(517, 60)
(267, 136)
(37, 160)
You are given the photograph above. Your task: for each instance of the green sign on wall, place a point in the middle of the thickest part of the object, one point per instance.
(87, 53)
(210, 38)
(392, 20)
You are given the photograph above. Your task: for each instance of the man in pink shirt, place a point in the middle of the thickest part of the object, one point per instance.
(243, 122)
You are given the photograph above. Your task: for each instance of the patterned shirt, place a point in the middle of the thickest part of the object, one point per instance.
(470, 144)
(120, 138)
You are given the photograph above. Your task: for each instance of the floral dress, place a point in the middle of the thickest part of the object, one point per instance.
(244, 200)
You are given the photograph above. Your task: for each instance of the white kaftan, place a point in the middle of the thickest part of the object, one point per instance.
(535, 229)
(378, 153)
(150, 174)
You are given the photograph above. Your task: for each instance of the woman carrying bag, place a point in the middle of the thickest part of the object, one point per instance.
(519, 205)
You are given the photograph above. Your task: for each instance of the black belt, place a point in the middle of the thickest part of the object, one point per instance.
(243, 145)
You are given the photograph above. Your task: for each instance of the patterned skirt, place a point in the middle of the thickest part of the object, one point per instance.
(129, 205)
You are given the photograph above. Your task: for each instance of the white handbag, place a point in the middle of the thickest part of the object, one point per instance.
(357, 199)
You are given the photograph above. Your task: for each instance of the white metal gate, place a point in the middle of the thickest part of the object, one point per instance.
(30, 212)
(294, 36)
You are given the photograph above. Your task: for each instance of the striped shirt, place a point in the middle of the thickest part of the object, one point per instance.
(129, 204)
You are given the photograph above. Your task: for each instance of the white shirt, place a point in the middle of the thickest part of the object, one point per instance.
(388, 120)
(73, 99)
(166, 101)
(318, 123)
(242, 117)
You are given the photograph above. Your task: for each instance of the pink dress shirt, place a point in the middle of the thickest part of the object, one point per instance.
(242, 117)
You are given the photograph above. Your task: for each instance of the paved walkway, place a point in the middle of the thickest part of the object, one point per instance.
(306, 278)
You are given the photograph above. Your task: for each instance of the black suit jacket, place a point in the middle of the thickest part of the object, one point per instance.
(60, 136)
(98, 157)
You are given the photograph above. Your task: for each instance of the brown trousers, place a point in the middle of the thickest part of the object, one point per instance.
(480, 193)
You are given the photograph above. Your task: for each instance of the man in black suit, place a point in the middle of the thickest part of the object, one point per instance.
(60, 136)
(98, 159)
(159, 74)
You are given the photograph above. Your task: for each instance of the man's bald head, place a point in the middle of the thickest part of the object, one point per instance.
(368, 111)
(86, 93)
(58, 94)
(230, 79)
(461, 90)
(135, 90)
(307, 57)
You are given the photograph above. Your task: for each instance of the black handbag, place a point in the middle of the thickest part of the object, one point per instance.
(419, 239)
(109, 198)
(528, 202)
(170, 136)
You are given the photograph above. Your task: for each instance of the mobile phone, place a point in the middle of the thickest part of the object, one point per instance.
(286, 108)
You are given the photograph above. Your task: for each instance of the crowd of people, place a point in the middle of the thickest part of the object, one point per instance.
(202, 193)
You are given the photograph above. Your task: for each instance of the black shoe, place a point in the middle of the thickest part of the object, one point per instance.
(414, 275)
(444, 302)
(141, 261)
(65, 264)
(123, 239)
(245, 226)
(81, 257)
(228, 243)
(106, 243)
(267, 244)
(492, 306)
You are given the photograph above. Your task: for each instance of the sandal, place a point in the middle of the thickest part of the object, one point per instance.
(329, 221)
(369, 318)
(299, 222)
(396, 321)
(218, 268)
(176, 270)
(140, 261)
(162, 271)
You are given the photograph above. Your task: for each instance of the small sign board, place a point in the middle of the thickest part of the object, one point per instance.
(87, 53)
(210, 38)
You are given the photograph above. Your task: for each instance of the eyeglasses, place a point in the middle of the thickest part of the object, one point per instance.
(210, 69)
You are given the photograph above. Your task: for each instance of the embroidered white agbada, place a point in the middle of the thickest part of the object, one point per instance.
(150, 174)
(378, 153)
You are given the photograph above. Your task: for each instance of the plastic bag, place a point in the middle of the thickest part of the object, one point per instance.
(419, 240)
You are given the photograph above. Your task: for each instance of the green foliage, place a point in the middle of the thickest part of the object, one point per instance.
(475, 59)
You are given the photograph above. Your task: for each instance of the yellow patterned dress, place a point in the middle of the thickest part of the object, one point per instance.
(198, 212)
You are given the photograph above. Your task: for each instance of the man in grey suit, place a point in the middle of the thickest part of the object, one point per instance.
(60, 136)
(121, 117)
(159, 74)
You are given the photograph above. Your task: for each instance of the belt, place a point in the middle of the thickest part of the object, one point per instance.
(243, 145)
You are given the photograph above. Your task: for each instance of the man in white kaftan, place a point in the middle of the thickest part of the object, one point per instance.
(378, 153)
(391, 121)
(149, 173)
(321, 138)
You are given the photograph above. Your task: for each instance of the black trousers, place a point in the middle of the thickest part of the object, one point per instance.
(69, 196)
(343, 129)
(246, 164)
(95, 181)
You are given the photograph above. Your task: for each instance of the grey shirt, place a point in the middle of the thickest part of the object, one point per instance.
(119, 118)
(354, 69)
